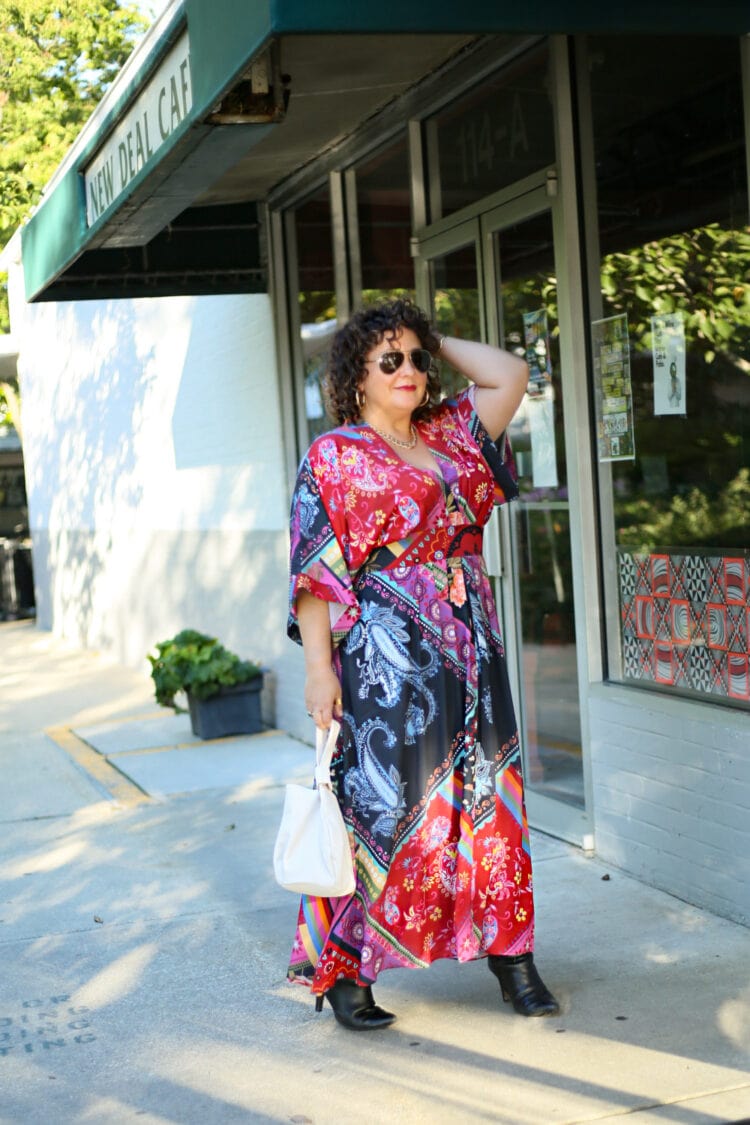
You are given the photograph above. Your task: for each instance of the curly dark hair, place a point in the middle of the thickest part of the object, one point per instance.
(351, 344)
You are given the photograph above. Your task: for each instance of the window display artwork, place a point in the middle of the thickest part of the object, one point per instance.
(668, 350)
(613, 390)
(685, 621)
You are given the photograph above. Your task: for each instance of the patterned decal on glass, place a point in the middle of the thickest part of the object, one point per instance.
(662, 607)
(734, 581)
(680, 622)
(739, 687)
(660, 575)
(664, 673)
(736, 630)
(681, 667)
(644, 617)
(715, 572)
(717, 626)
(685, 621)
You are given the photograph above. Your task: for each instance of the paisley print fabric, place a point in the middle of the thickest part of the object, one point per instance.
(427, 767)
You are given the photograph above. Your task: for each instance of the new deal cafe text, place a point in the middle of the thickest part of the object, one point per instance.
(151, 119)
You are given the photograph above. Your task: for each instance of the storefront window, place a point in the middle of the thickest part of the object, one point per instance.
(317, 300)
(455, 289)
(498, 133)
(384, 225)
(672, 356)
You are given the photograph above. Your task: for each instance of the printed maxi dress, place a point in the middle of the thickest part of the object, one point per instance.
(427, 767)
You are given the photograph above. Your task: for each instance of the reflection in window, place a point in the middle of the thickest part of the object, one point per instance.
(455, 289)
(528, 288)
(540, 522)
(317, 300)
(501, 131)
(673, 214)
(384, 225)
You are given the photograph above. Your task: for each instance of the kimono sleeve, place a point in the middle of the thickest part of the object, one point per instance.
(498, 454)
(318, 537)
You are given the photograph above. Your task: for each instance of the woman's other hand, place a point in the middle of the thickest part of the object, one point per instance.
(323, 696)
(322, 687)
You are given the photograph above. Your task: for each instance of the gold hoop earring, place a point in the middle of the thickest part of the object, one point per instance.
(426, 398)
(360, 400)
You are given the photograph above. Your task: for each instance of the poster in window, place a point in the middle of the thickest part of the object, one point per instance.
(613, 389)
(540, 400)
(668, 348)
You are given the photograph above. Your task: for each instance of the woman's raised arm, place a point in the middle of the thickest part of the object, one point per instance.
(500, 378)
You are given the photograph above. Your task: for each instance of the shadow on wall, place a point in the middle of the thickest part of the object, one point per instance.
(83, 412)
(156, 477)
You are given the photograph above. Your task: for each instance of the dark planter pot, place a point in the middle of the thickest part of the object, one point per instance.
(235, 710)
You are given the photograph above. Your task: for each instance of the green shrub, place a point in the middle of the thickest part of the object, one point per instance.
(196, 663)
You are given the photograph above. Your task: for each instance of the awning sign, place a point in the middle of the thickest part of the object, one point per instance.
(151, 119)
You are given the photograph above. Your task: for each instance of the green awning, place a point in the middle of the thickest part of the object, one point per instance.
(190, 103)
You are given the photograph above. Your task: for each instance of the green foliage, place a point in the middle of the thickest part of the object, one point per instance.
(315, 306)
(695, 519)
(10, 406)
(374, 296)
(196, 663)
(56, 61)
(456, 314)
(702, 273)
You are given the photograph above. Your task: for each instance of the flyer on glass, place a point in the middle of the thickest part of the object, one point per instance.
(668, 349)
(612, 388)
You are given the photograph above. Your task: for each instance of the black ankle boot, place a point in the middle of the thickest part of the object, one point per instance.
(521, 984)
(354, 1007)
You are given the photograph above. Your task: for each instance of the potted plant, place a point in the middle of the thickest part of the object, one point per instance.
(223, 691)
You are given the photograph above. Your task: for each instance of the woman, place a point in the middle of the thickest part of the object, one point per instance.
(391, 601)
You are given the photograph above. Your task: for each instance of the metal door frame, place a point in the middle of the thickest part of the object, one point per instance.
(567, 821)
(533, 196)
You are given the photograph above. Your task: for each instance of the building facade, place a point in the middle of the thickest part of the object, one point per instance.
(577, 194)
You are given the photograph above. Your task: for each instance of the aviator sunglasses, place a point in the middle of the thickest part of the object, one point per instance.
(389, 362)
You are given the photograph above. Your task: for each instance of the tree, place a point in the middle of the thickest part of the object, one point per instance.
(702, 272)
(56, 61)
(10, 407)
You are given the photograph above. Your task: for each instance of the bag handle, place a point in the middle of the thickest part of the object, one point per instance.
(325, 744)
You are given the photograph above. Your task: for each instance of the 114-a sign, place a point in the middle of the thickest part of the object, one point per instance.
(152, 118)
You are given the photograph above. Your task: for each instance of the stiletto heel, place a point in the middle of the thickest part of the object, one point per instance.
(354, 1006)
(521, 985)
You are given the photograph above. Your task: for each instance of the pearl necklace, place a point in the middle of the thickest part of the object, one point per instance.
(398, 441)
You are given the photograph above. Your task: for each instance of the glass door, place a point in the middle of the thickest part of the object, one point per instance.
(495, 278)
(521, 284)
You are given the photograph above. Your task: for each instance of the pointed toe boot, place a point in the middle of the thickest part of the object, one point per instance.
(354, 1006)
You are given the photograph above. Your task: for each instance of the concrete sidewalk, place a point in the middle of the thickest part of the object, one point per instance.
(144, 947)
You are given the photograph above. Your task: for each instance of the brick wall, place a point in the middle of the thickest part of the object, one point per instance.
(671, 787)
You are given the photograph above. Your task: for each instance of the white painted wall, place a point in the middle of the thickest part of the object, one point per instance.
(157, 413)
(156, 474)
